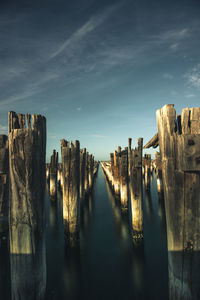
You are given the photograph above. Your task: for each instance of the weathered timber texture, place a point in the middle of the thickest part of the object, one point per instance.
(116, 172)
(154, 142)
(71, 184)
(158, 165)
(135, 187)
(179, 141)
(4, 184)
(123, 178)
(60, 177)
(82, 172)
(27, 150)
(53, 175)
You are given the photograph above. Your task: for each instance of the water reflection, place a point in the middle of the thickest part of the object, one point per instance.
(149, 206)
(184, 280)
(4, 269)
(28, 274)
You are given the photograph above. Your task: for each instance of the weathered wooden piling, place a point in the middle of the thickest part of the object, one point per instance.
(129, 157)
(71, 185)
(147, 170)
(47, 172)
(53, 175)
(179, 141)
(60, 177)
(135, 186)
(4, 179)
(91, 170)
(116, 173)
(82, 172)
(123, 179)
(159, 172)
(27, 150)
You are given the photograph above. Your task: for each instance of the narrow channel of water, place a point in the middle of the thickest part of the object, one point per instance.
(108, 265)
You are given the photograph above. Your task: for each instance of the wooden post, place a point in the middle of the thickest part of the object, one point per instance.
(27, 150)
(123, 179)
(147, 166)
(59, 178)
(4, 201)
(116, 173)
(53, 175)
(129, 157)
(82, 172)
(112, 169)
(91, 170)
(179, 141)
(136, 193)
(71, 184)
(159, 173)
(47, 172)
(86, 185)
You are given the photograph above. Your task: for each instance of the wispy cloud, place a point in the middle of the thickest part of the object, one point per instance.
(168, 76)
(84, 30)
(79, 108)
(193, 77)
(190, 96)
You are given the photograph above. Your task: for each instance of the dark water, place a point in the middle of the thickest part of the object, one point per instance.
(107, 265)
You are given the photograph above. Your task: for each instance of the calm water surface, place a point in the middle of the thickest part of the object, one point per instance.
(107, 265)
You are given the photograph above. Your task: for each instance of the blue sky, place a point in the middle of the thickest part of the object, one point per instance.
(98, 70)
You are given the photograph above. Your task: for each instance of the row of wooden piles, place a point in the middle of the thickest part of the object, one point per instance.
(124, 174)
(22, 207)
(177, 168)
(75, 178)
(22, 201)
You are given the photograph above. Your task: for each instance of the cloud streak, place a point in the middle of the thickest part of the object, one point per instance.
(84, 30)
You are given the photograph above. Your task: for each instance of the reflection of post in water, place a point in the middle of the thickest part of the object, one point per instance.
(4, 184)
(138, 270)
(121, 219)
(136, 192)
(149, 206)
(179, 142)
(71, 184)
(147, 170)
(27, 150)
(53, 175)
(73, 272)
(4, 270)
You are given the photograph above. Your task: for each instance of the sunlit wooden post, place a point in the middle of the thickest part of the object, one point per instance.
(112, 169)
(53, 175)
(123, 179)
(82, 172)
(47, 172)
(71, 184)
(91, 170)
(159, 172)
(136, 193)
(179, 141)
(4, 166)
(27, 150)
(116, 173)
(129, 157)
(86, 181)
